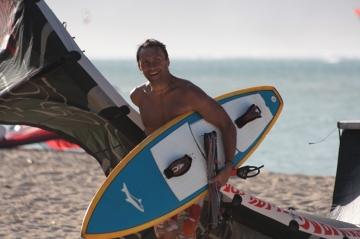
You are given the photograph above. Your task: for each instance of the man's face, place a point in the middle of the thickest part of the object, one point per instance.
(153, 64)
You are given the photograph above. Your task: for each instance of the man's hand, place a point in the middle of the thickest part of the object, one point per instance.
(223, 175)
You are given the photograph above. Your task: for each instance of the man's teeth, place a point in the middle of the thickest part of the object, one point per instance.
(153, 73)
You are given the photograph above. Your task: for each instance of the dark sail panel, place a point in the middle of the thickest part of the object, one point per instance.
(47, 82)
(346, 200)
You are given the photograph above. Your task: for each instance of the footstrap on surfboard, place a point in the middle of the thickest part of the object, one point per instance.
(247, 171)
(215, 196)
(178, 167)
(252, 113)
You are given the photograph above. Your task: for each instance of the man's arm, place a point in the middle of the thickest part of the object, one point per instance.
(215, 114)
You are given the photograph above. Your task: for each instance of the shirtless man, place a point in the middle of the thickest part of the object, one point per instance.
(164, 97)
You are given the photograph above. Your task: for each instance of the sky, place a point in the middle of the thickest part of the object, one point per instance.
(207, 29)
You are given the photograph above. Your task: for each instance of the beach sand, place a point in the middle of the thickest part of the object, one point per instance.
(44, 194)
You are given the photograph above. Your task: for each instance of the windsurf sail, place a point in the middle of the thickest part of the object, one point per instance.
(46, 81)
(346, 196)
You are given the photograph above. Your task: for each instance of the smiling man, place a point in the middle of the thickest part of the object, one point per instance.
(164, 97)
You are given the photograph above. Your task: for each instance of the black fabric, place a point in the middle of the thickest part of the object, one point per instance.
(43, 85)
(346, 187)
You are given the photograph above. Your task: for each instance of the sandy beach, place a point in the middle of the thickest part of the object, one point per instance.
(44, 194)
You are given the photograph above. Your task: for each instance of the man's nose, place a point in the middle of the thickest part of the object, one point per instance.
(152, 64)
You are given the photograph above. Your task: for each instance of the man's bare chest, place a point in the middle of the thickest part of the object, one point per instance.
(156, 112)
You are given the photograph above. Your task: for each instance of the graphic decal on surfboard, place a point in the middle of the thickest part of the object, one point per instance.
(133, 200)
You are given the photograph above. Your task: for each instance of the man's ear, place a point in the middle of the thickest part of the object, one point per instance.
(139, 66)
(168, 62)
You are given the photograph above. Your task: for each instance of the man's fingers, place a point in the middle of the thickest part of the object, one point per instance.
(214, 179)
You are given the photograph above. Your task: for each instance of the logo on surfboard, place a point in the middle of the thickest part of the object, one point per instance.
(132, 200)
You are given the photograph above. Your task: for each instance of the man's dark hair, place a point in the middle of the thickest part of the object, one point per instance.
(152, 43)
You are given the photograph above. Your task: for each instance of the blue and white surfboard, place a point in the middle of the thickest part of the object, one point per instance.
(137, 194)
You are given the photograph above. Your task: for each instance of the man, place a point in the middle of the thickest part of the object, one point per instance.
(164, 97)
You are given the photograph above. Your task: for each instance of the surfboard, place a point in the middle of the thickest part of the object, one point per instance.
(137, 194)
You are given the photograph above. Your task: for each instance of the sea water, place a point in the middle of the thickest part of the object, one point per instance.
(316, 94)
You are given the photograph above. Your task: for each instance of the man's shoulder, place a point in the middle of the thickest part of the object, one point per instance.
(187, 85)
(135, 94)
(191, 92)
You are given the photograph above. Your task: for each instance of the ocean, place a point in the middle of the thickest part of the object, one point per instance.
(316, 93)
